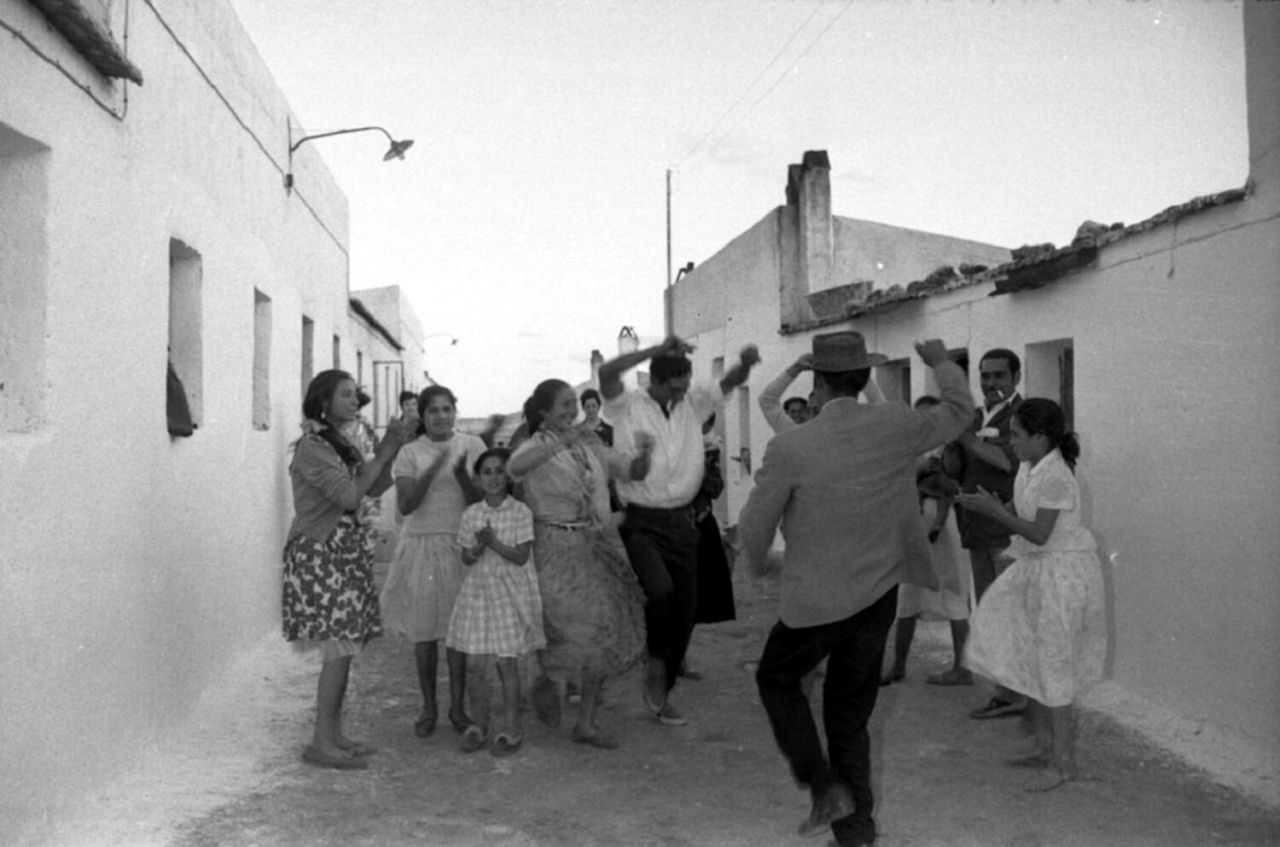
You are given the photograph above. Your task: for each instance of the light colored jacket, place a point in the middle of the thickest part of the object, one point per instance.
(843, 487)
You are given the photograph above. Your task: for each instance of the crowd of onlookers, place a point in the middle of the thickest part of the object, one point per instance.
(588, 546)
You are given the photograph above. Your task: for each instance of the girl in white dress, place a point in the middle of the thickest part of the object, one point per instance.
(1040, 629)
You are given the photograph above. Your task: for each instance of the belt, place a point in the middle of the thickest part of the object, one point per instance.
(567, 526)
(653, 510)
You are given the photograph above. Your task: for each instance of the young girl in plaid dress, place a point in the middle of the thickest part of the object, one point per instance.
(497, 617)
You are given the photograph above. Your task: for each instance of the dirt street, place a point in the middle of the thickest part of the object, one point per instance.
(718, 781)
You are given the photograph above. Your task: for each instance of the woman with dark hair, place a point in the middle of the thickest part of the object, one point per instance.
(328, 595)
(433, 488)
(592, 604)
(1041, 628)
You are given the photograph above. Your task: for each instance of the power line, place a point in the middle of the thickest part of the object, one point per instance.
(694, 149)
(848, 5)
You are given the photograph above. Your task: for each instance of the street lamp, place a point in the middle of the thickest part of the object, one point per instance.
(395, 151)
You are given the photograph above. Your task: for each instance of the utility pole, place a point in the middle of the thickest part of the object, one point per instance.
(668, 293)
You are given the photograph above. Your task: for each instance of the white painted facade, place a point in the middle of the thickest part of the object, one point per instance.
(136, 567)
(1173, 330)
(387, 357)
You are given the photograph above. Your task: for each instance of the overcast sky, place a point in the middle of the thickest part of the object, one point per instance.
(529, 218)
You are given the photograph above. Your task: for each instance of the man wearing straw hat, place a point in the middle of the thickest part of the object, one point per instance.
(843, 487)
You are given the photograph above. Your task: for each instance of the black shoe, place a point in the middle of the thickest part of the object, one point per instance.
(833, 804)
(997, 708)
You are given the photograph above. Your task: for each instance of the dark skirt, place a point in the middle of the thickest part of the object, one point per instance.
(715, 580)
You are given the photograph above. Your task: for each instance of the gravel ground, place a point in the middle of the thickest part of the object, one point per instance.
(235, 776)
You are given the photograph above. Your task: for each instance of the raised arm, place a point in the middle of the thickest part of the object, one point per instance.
(611, 371)
(748, 358)
(770, 400)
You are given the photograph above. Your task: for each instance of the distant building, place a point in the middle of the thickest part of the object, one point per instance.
(797, 271)
(388, 355)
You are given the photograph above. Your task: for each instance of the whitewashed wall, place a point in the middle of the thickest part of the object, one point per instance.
(134, 568)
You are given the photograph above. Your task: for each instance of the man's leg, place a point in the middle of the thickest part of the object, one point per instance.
(679, 543)
(662, 550)
(788, 655)
(849, 696)
(659, 595)
(982, 562)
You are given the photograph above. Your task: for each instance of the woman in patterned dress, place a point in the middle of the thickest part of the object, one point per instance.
(1040, 629)
(328, 595)
(592, 604)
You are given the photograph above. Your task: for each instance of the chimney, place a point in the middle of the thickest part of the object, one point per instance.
(813, 243)
(597, 359)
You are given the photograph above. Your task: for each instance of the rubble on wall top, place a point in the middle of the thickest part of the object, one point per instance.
(1031, 266)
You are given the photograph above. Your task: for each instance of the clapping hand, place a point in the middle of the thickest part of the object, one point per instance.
(644, 442)
(485, 536)
(750, 355)
(982, 502)
(804, 363)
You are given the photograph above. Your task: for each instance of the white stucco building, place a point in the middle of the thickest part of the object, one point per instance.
(137, 219)
(1162, 337)
(387, 339)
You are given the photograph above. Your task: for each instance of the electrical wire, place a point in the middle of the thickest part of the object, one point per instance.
(248, 130)
(776, 56)
(847, 6)
(99, 102)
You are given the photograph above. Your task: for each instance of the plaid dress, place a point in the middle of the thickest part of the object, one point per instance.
(499, 609)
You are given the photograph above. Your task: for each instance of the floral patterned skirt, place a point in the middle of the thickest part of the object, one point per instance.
(328, 586)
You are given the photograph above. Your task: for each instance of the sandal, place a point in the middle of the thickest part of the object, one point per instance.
(424, 725)
(506, 744)
(594, 739)
(356, 749)
(473, 738)
(461, 723)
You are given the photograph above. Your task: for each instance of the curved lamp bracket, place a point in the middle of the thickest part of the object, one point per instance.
(395, 151)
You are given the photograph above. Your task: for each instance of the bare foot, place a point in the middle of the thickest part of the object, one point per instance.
(1050, 779)
(1035, 760)
(354, 748)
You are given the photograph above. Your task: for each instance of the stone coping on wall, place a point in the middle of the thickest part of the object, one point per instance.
(1032, 266)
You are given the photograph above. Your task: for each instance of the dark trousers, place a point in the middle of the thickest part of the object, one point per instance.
(662, 545)
(854, 650)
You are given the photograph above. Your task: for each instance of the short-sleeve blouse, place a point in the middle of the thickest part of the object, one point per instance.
(512, 524)
(442, 507)
(570, 487)
(1050, 484)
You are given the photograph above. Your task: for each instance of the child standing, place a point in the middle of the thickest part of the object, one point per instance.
(433, 487)
(1040, 629)
(497, 617)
